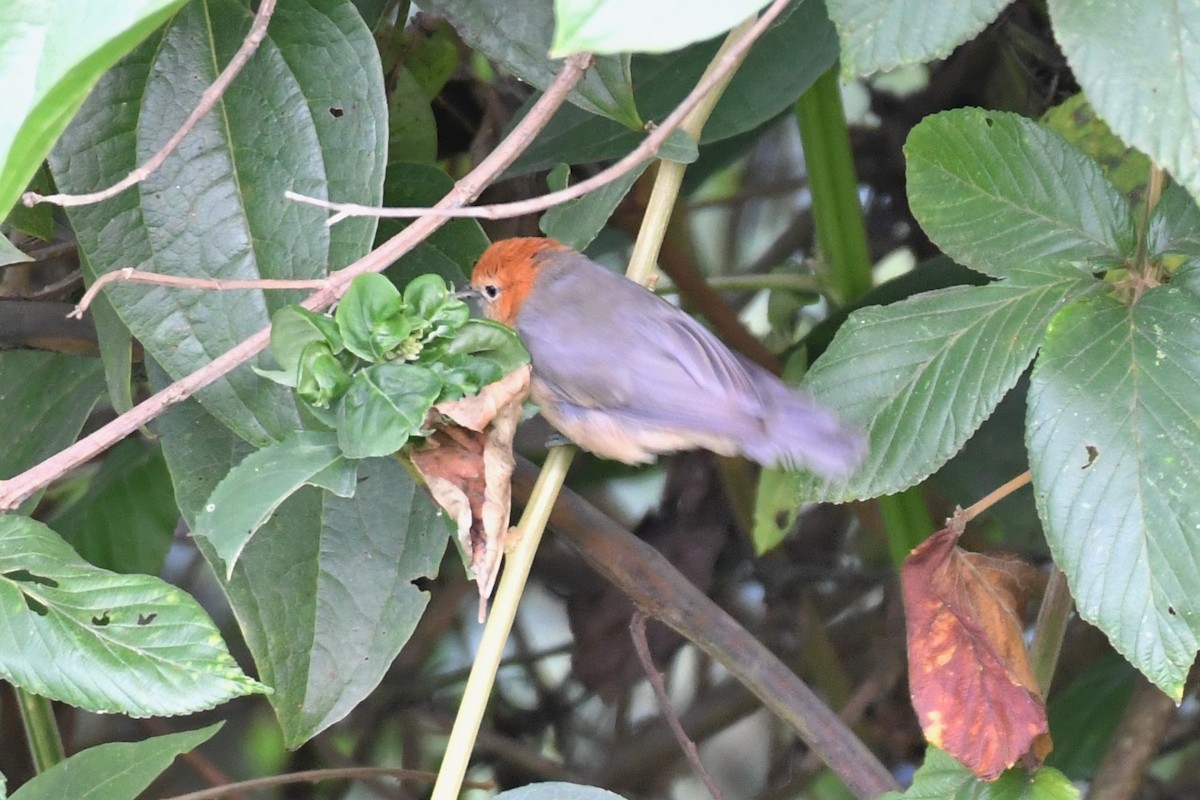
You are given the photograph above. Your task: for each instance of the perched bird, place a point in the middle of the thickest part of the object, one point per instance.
(626, 375)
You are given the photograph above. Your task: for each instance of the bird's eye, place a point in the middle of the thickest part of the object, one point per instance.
(491, 291)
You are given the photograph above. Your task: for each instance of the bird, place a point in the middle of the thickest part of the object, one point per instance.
(628, 376)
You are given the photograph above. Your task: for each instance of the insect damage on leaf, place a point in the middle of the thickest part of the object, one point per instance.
(969, 673)
(467, 463)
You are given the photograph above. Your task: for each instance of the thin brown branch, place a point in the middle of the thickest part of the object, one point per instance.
(258, 32)
(657, 587)
(315, 776)
(637, 629)
(993, 497)
(647, 149)
(16, 489)
(210, 284)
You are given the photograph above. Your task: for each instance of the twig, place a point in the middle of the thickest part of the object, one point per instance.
(16, 489)
(723, 66)
(211, 284)
(258, 31)
(315, 776)
(993, 497)
(637, 629)
(1134, 743)
(657, 587)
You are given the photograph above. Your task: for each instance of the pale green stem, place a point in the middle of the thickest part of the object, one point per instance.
(41, 730)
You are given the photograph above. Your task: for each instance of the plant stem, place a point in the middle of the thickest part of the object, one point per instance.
(842, 238)
(1049, 630)
(41, 730)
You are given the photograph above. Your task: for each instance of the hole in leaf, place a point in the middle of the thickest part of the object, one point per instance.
(988, 121)
(336, 112)
(101, 620)
(1171, 610)
(36, 607)
(26, 576)
(1092, 455)
(424, 584)
(146, 619)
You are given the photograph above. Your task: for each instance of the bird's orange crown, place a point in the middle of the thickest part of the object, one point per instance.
(504, 274)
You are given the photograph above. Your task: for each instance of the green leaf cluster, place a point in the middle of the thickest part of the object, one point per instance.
(372, 370)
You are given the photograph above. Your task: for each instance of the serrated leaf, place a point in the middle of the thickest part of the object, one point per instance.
(878, 36)
(216, 209)
(1174, 225)
(126, 519)
(1075, 120)
(44, 400)
(1129, 57)
(998, 193)
(247, 497)
(517, 35)
(576, 222)
(793, 52)
(51, 55)
(629, 26)
(921, 375)
(324, 594)
(114, 770)
(384, 406)
(943, 778)
(105, 642)
(1112, 416)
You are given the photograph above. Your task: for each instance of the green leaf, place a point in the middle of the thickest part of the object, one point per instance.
(466, 376)
(795, 50)
(877, 36)
(384, 406)
(125, 520)
(428, 298)
(452, 249)
(115, 770)
(1112, 417)
(517, 36)
(369, 319)
(775, 507)
(943, 778)
(412, 130)
(51, 55)
(1075, 120)
(1175, 225)
(324, 594)
(216, 209)
(11, 254)
(116, 353)
(39, 220)
(321, 378)
(999, 193)
(247, 497)
(627, 26)
(44, 400)
(558, 790)
(576, 222)
(105, 642)
(293, 328)
(1085, 714)
(921, 375)
(1130, 56)
(490, 340)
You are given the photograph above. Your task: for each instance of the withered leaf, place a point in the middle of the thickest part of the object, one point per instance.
(969, 673)
(467, 464)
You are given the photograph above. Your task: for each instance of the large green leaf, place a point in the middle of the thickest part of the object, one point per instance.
(126, 519)
(51, 55)
(44, 400)
(324, 592)
(517, 35)
(1131, 57)
(1113, 406)
(247, 497)
(943, 778)
(878, 36)
(921, 375)
(799, 46)
(576, 222)
(105, 642)
(216, 207)
(113, 771)
(998, 193)
(628, 26)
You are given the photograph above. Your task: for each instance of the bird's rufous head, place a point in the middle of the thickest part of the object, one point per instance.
(505, 273)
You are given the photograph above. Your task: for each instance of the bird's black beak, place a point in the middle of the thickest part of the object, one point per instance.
(467, 292)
